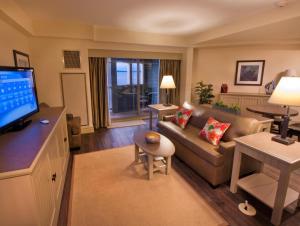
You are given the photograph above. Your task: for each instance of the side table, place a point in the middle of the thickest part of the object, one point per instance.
(160, 109)
(275, 194)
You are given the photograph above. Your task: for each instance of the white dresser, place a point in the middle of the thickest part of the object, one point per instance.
(33, 165)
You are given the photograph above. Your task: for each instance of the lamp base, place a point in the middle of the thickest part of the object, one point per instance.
(285, 141)
(167, 105)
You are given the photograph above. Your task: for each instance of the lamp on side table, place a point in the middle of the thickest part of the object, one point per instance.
(167, 83)
(287, 93)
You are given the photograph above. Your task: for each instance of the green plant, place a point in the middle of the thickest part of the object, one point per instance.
(204, 92)
(231, 108)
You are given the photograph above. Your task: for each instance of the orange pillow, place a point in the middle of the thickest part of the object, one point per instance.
(213, 131)
(182, 117)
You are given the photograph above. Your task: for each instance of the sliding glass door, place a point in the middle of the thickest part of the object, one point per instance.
(133, 85)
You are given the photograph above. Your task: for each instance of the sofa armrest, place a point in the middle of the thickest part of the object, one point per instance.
(168, 118)
(226, 148)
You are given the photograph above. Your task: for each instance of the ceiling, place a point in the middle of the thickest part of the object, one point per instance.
(282, 31)
(174, 17)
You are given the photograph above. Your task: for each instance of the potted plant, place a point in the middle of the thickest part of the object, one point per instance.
(233, 108)
(204, 93)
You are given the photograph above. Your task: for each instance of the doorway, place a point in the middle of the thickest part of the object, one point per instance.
(133, 84)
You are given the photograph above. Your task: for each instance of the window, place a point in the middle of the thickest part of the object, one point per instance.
(134, 73)
(123, 74)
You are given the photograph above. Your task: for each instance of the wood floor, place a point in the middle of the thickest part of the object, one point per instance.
(220, 198)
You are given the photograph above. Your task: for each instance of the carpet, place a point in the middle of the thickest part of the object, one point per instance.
(109, 189)
(126, 123)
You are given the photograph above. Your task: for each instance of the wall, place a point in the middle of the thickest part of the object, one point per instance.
(217, 65)
(10, 39)
(48, 60)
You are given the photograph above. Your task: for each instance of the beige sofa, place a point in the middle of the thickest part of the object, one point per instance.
(214, 163)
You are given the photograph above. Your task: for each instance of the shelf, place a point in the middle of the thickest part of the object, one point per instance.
(264, 189)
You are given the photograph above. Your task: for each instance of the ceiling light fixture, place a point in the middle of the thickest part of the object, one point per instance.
(281, 3)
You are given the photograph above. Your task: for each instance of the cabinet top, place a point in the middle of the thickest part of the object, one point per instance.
(18, 150)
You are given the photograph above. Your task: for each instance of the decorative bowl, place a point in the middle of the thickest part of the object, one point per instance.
(152, 137)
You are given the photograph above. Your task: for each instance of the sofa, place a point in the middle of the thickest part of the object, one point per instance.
(74, 131)
(213, 163)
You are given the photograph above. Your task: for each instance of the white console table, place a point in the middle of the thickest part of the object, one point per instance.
(275, 194)
(33, 166)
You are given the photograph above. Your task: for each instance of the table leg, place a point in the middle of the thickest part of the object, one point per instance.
(137, 152)
(150, 167)
(283, 184)
(168, 164)
(235, 170)
(150, 121)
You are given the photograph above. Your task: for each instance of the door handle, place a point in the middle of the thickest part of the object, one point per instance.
(54, 177)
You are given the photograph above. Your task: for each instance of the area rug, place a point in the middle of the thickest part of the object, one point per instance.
(127, 123)
(109, 189)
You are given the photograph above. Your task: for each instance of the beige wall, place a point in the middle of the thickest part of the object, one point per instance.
(217, 65)
(48, 62)
(10, 39)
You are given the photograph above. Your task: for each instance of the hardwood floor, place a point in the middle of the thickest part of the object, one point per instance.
(220, 198)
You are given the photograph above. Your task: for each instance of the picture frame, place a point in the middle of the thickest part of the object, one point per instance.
(249, 72)
(21, 59)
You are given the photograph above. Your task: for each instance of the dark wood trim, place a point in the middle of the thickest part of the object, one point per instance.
(16, 52)
(249, 61)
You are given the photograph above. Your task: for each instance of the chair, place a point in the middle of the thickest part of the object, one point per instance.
(74, 131)
(294, 130)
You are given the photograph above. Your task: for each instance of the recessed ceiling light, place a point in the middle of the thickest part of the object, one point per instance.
(282, 3)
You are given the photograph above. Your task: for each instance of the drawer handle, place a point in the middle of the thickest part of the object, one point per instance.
(65, 139)
(54, 177)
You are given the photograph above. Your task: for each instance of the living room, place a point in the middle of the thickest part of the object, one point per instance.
(108, 72)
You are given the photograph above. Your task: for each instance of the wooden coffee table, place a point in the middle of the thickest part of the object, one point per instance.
(161, 151)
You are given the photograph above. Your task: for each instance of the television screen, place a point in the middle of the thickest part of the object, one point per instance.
(18, 98)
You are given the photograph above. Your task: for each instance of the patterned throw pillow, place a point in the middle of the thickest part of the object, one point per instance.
(182, 117)
(213, 131)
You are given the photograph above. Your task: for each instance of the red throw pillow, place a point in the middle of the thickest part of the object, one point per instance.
(182, 117)
(213, 131)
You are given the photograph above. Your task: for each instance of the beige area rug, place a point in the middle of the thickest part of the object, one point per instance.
(127, 123)
(109, 189)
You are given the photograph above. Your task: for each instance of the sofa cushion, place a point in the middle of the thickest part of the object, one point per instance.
(240, 126)
(214, 130)
(189, 137)
(182, 117)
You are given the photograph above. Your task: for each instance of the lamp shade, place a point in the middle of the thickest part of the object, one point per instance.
(287, 92)
(167, 82)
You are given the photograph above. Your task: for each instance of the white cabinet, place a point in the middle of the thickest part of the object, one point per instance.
(32, 196)
(243, 100)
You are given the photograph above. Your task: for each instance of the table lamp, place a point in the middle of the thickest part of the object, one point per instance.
(167, 83)
(287, 93)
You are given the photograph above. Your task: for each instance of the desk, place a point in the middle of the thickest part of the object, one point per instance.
(271, 111)
(276, 195)
(160, 109)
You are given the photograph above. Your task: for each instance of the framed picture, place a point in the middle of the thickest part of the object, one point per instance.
(21, 59)
(249, 73)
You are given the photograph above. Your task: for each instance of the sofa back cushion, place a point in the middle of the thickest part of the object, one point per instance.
(240, 126)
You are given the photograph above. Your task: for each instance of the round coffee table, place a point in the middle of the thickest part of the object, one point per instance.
(163, 150)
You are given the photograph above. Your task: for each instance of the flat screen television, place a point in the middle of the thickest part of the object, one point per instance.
(18, 97)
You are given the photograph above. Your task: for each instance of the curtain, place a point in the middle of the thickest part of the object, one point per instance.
(99, 96)
(170, 67)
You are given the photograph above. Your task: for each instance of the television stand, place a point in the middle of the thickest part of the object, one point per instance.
(20, 126)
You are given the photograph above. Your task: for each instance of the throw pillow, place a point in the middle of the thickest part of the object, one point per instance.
(182, 117)
(213, 131)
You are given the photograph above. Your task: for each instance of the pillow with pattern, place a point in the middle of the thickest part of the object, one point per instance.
(182, 117)
(213, 131)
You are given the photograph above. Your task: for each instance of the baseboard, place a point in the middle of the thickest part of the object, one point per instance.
(87, 129)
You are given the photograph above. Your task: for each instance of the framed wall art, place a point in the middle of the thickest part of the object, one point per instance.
(249, 73)
(21, 59)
